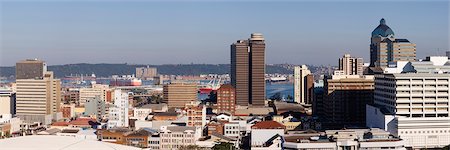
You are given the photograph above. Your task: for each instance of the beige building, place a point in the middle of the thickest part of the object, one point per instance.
(351, 65)
(30, 69)
(179, 94)
(7, 102)
(100, 90)
(36, 98)
(302, 92)
(176, 137)
(146, 72)
(385, 48)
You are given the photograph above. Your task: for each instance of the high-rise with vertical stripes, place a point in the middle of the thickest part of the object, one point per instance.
(248, 69)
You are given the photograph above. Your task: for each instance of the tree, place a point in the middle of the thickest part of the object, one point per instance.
(276, 96)
(224, 146)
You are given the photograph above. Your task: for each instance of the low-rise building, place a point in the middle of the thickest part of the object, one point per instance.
(352, 139)
(175, 137)
(262, 131)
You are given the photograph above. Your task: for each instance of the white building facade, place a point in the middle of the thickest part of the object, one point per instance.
(118, 115)
(413, 106)
(300, 72)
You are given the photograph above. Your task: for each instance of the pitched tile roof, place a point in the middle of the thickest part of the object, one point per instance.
(268, 125)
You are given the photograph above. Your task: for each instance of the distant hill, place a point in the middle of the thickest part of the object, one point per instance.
(106, 70)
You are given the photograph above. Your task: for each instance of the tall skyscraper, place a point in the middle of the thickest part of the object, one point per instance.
(248, 69)
(36, 99)
(30, 69)
(350, 65)
(385, 48)
(303, 85)
(177, 95)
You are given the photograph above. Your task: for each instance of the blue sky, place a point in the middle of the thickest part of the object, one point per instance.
(155, 32)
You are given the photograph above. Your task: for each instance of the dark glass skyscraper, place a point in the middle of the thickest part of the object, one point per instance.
(248, 69)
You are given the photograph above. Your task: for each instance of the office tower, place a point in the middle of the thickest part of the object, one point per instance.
(303, 85)
(385, 48)
(30, 69)
(414, 104)
(248, 69)
(345, 100)
(350, 65)
(146, 72)
(36, 99)
(118, 114)
(226, 99)
(177, 95)
(7, 102)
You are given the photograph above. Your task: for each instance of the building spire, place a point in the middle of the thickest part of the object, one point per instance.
(382, 21)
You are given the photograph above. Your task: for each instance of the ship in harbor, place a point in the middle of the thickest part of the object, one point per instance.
(213, 85)
(125, 80)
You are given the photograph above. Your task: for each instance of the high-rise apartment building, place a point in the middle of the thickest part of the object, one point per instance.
(30, 69)
(226, 99)
(177, 95)
(345, 100)
(38, 98)
(118, 114)
(146, 72)
(413, 103)
(385, 48)
(350, 65)
(303, 85)
(248, 69)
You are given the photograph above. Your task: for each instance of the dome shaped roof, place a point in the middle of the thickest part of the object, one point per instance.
(382, 30)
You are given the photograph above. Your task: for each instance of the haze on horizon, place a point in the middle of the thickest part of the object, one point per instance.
(152, 32)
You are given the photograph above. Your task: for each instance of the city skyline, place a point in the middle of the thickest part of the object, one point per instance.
(294, 31)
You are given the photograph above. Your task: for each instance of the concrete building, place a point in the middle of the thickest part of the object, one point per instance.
(196, 114)
(95, 107)
(100, 90)
(175, 137)
(349, 139)
(345, 100)
(37, 98)
(385, 48)
(303, 85)
(226, 99)
(413, 105)
(248, 69)
(177, 95)
(146, 72)
(351, 65)
(118, 114)
(30, 69)
(68, 110)
(7, 102)
(263, 131)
